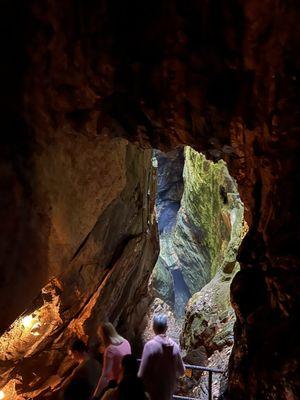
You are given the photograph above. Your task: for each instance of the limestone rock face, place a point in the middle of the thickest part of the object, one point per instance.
(169, 192)
(207, 333)
(96, 205)
(209, 317)
(169, 188)
(219, 76)
(210, 209)
(161, 282)
(216, 210)
(195, 223)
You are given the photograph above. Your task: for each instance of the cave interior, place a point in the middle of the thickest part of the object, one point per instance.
(89, 89)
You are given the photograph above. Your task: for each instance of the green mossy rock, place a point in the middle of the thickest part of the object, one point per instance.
(210, 221)
(200, 242)
(161, 283)
(214, 227)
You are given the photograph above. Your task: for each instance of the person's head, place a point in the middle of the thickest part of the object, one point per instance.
(109, 335)
(130, 386)
(130, 365)
(160, 324)
(78, 350)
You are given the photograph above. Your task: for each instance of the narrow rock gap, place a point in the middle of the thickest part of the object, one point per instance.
(201, 224)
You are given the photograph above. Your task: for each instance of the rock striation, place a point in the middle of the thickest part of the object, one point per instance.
(195, 223)
(209, 220)
(97, 208)
(169, 192)
(216, 213)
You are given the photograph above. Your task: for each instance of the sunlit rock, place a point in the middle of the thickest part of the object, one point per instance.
(101, 244)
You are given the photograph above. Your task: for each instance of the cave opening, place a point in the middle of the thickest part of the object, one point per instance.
(200, 219)
(197, 215)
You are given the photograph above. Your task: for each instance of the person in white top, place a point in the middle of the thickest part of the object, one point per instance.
(161, 363)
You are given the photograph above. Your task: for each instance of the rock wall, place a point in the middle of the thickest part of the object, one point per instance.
(210, 207)
(196, 225)
(215, 214)
(220, 76)
(93, 201)
(218, 219)
(169, 192)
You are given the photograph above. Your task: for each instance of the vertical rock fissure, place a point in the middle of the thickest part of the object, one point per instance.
(201, 225)
(168, 283)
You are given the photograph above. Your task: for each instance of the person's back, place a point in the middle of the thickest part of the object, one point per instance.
(130, 386)
(116, 353)
(85, 377)
(116, 347)
(89, 371)
(161, 363)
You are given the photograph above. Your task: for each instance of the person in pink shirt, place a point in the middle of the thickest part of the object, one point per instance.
(116, 347)
(161, 363)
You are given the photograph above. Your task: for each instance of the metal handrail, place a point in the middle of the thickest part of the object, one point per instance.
(210, 372)
(200, 368)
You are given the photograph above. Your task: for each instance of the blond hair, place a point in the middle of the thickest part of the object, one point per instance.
(110, 335)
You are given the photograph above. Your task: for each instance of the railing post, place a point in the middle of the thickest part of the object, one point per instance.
(200, 368)
(209, 385)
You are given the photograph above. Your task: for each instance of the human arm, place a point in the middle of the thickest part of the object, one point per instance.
(70, 385)
(144, 366)
(106, 371)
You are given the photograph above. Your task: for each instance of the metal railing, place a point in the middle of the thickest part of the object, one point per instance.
(210, 371)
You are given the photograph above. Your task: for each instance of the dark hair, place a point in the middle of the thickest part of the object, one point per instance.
(131, 387)
(79, 346)
(160, 323)
(130, 365)
(78, 389)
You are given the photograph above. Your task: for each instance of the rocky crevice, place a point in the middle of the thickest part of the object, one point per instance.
(169, 193)
(199, 243)
(196, 225)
